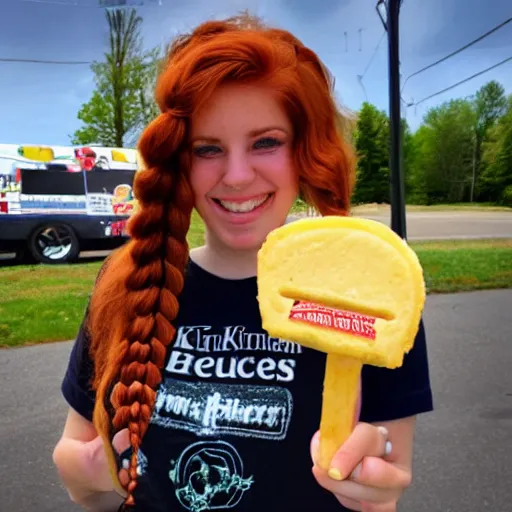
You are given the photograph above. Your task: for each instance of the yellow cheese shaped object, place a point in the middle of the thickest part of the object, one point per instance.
(348, 287)
(366, 277)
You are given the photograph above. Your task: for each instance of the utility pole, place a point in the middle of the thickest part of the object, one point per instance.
(389, 13)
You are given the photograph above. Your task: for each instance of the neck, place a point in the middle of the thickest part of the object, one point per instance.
(225, 263)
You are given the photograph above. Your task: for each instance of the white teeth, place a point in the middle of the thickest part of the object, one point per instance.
(246, 206)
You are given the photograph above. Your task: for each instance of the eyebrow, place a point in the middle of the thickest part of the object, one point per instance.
(253, 133)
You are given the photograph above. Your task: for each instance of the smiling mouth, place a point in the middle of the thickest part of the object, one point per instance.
(243, 206)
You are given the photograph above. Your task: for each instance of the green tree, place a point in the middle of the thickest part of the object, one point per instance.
(412, 192)
(490, 104)
(121, 104)
(444, 152)
(414, 160)
(371, 140)
(496, 179)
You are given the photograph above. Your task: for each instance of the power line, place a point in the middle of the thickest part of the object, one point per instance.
(105, 5)
(54, 2)
(69, 4)
(497, 27)
(373, 55)
(360, 77)
(461, 82)
(40, 61)
(65, 62)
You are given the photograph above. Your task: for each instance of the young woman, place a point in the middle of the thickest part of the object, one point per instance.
(171, 363)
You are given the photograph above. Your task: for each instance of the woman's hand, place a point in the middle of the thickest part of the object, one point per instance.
(96, 464)
(81, 462)
(362, 476)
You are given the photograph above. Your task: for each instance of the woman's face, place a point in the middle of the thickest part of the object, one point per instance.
(241, 170)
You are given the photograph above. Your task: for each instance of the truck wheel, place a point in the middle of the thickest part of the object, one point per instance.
(54, 243)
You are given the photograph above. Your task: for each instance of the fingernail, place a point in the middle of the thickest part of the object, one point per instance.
(315, 446)
(357, 471)
(335, 474)
(383, 430)
(389, 448)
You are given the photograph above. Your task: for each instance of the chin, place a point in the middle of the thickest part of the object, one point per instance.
(248, 242)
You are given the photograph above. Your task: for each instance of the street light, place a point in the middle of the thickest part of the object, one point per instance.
(389, 13)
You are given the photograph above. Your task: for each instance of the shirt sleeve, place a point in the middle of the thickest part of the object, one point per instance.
(76, 385)
(393, 394)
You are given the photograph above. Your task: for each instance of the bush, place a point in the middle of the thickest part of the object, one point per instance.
(506, 196)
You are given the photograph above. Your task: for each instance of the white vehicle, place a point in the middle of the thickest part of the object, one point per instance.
(56, 201)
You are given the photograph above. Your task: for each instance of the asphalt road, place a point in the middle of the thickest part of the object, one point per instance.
(463, 449)
(426, 226)
(450, 225)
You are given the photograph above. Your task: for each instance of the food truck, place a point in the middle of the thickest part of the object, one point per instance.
(57, 201)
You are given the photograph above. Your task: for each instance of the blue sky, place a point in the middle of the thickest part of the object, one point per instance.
(39, 103)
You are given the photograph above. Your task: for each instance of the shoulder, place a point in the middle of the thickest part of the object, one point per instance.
(393, 394)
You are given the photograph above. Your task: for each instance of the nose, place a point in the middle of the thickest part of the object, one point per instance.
(238, 172)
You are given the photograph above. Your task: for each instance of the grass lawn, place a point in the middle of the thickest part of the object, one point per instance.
(464, 265)
(45, 303)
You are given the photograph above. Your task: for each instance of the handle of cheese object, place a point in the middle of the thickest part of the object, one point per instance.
(349, 287)
(339, 403)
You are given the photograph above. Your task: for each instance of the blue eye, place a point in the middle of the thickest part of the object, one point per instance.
(267, 143)
(206, 151)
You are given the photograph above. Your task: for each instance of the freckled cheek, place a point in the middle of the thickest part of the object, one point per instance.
(204, 175)
(277, 169)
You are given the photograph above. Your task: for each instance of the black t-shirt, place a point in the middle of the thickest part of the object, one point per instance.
(236, 409)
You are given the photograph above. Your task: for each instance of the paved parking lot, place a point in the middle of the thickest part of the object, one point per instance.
(463, 449)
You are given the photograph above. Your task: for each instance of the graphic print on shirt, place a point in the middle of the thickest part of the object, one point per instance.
(209, 476)
(199, 352)
(262, 408)
(212, 409)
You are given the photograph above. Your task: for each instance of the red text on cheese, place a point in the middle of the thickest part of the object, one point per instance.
(330, 318)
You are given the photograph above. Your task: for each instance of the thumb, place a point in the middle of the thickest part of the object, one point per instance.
(121, 441)
(96, 469)
(314, 447)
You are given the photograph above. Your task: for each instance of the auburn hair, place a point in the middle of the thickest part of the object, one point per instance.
(136, 297)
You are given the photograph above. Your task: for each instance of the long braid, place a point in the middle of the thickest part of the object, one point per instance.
(155, 307)
(154, 262)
